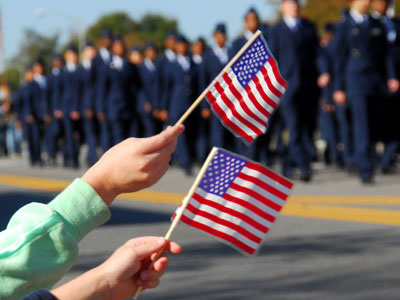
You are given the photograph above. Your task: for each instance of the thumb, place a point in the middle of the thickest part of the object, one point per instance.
(144, 247)
(159, 141)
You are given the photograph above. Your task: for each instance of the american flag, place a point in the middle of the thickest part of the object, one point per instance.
(245, 95)
(237, 201)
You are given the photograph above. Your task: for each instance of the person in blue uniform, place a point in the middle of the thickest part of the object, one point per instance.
(295, 44)
(179, 87)
(251, 24)
(388, 107)
(135, 58)
(150, 92)
(363, 72)
(198, 128)
(215, 59)
(24, 114)
(116, 99)
(166, 60)
(329, 126)
(100, 61)
(54, 85)
(71, 107)
(37, 112)
(87, 94)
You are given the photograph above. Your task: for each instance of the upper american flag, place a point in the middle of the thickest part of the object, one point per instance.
(245, 95)
(237, 201)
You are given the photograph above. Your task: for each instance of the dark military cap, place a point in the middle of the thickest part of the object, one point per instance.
(297, 1)
(89, 44)
(107, 33)
(252, 10)
(180, 38)
(150, 45)
(57, 56)
(72, 48)
(38, 60)
(118, 38)
(170, 34)
(135, 48)
(220, 28)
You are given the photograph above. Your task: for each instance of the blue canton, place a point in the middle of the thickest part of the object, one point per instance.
(221, 172)
(251, 61)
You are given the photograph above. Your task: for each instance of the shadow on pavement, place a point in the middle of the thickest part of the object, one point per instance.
(10, 202)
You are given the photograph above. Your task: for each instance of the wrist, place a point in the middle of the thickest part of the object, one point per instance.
(100, 184)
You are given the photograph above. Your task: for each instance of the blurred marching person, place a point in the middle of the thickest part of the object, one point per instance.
(115, 99)
(71, 107)
(166, 60)
(135, 59)
(389, 104)
(21, 105)
(363, 72)
(198, 129)
(328, 110)
(149, 95)
(178, 95)
(215, 59)
(100, 61)
(135, 55)
(56, 127)
(87, 93)
(295, 44)
(37, 112)
(251, 25)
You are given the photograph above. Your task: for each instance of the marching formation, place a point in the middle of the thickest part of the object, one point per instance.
(344, 83)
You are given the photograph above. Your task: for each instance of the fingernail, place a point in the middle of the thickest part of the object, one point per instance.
(181, 128)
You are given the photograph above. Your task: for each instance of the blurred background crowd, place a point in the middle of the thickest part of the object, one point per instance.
(109, 84)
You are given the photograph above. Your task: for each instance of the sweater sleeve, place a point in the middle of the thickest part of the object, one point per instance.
(40, 243)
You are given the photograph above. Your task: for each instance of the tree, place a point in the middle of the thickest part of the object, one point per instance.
(325, 11)
(322, 12)
(119, 22)
(149, 27)
(34, 46)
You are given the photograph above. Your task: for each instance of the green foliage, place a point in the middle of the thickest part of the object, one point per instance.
(322, 12)
(34, 46)
(119, 22)
(149, 27)
(13, 78)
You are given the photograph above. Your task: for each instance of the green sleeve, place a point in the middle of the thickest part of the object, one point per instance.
(40, 243)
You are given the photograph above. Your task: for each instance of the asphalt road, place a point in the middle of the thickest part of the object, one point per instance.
(335, 239)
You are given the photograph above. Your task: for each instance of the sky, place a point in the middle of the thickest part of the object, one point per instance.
(195, 17)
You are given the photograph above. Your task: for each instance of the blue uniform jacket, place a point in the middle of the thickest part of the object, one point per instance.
(179, 88)
(37, 102)
(117, 98)
(87, 88)
(296, 54)
(362, 62)
(151, 89)
(209, 69)
(325, 65)
(70, 94)
(54, 86)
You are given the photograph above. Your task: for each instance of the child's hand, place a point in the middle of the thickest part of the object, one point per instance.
(120, 275)
(132, 165)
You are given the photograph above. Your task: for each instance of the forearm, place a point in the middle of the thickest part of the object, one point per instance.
(90, 285)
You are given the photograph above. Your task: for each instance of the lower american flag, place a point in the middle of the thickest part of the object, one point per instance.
(245, 95)
(237, 201)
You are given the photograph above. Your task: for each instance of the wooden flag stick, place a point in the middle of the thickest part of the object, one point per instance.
(178, 216)
(204, 93)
